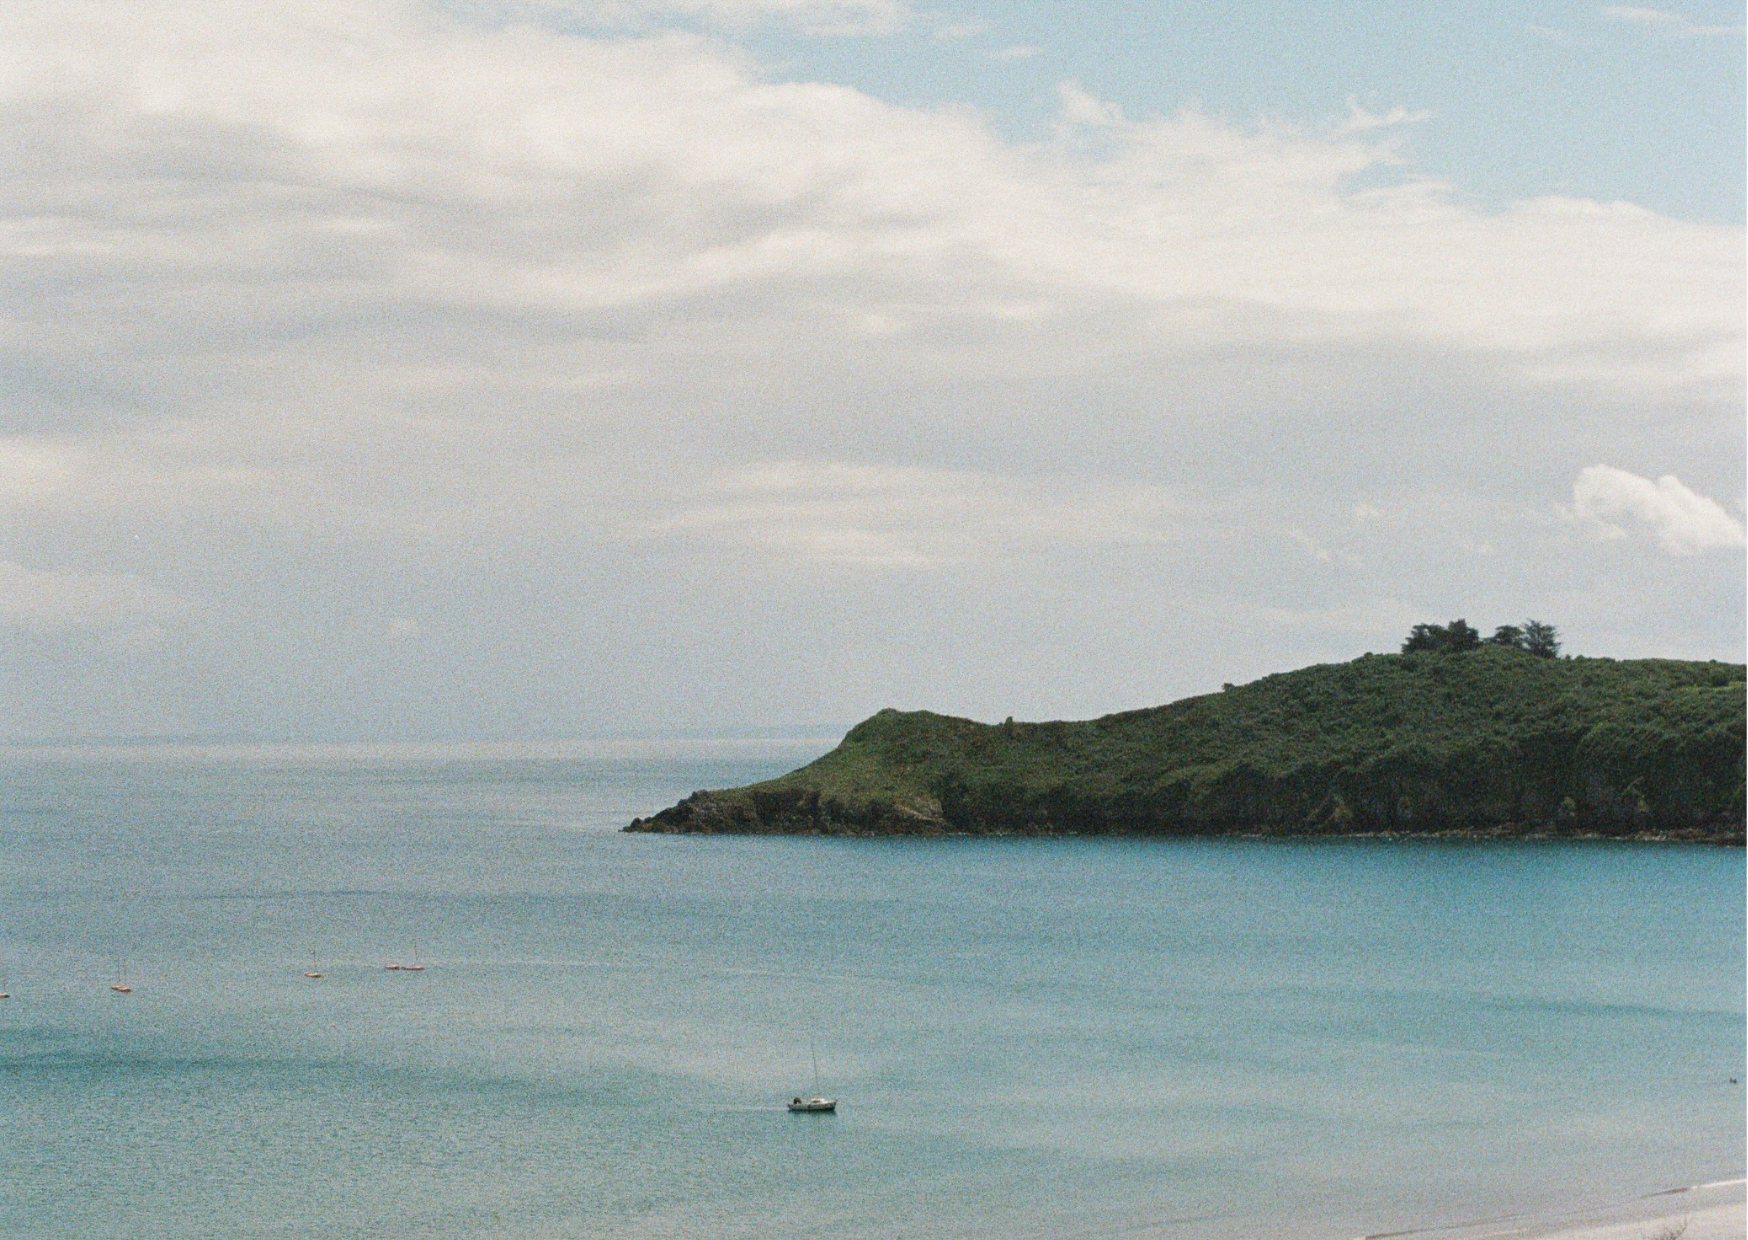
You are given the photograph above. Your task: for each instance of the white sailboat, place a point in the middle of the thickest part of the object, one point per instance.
(120, 984)
(819, 1102)
(315, 969)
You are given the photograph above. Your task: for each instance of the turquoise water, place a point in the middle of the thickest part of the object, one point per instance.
(1030, 1038)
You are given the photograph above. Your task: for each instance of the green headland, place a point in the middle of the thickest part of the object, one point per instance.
(1480, 740)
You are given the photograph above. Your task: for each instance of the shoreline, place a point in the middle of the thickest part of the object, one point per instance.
(1711, 1211)
(653, 825)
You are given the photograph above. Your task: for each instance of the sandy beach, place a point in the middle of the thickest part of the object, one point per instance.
(1699, 1212)
(1703, 1212)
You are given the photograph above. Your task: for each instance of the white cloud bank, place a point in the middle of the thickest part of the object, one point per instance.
(62, 598)
(180, 177)
(819, 17)
(289, 230)
(1665, 21)
(383, 308)
(1684, 522)
(843, 513)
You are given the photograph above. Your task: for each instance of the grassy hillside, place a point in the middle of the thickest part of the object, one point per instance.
(1490, 741)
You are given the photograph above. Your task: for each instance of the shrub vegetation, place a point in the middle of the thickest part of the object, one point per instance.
(1452, 736)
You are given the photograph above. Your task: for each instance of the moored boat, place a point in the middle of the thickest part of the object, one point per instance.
(818, 1103)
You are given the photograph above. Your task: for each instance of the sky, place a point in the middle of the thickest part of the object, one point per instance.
(466, 370)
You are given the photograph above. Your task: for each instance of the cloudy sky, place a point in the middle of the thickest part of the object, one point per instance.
(407, 369)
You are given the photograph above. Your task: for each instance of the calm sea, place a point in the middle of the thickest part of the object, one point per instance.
(1030, 1039)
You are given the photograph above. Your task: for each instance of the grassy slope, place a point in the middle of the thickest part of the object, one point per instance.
(1492, 740)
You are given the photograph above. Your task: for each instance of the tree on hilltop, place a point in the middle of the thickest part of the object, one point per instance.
(1507, 635)
(1452, 638)
(1531, 637)
(1541, 640)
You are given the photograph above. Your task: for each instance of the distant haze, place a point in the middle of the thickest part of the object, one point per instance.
(480, 371)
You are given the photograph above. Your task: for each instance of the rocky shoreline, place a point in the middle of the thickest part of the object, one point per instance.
(709, 813)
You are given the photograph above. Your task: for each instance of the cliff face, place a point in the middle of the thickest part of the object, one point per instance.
(1489, 742)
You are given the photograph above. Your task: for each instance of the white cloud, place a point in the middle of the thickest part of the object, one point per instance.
(323, 234)
(1662, 19)
(1082, 108)
(1316, 550)
(883, 516)
(820, 17)
(1359, 120)
(358, 307)
(1642, 16)
(60, 598)
(358, 233)
(33, 471)
(952, 32)
(313, 166)
(1016, 51)
(1684, 522)
(1554, 34)
(1383, 618)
